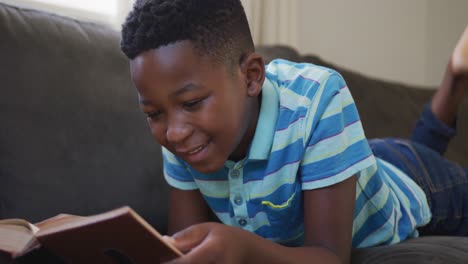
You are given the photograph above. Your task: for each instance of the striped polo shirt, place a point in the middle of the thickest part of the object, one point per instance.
(308, 136)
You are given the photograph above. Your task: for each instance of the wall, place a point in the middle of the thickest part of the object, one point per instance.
(109, 12)
(445, 21)
(407, 41)
(402, 40)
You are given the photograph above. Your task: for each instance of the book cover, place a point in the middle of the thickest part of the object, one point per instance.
(117, 236)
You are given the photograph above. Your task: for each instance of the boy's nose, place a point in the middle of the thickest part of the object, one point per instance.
(177, 133)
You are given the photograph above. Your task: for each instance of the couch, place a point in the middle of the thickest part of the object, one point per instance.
(73, 140)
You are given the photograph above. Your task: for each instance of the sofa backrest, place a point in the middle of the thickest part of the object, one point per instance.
(72, 139)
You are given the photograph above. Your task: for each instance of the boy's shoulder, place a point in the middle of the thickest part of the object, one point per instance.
(289, 70)
(304, 79)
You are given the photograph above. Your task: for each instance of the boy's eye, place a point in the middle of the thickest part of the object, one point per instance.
(154, 114)
(190, 105)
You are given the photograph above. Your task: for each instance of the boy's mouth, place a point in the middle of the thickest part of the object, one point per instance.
(190, 151)
(195, 154)
(195, 150)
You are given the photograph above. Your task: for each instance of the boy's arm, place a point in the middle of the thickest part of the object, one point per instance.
(186, 208)
(328, 218)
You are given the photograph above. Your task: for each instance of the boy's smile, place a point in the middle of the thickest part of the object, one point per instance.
(200, 110)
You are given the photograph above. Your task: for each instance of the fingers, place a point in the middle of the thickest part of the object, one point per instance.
(211, 243)
(194, 239)
(190, 237)
(168, 239)
(204, 254)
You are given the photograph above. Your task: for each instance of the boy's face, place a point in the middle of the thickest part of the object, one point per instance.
(199, 110)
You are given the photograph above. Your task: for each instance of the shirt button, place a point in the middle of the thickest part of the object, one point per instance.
(238, 200)
(235, 174)
(242, 222)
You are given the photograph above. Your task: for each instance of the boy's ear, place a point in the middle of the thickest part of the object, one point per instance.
(253, 68)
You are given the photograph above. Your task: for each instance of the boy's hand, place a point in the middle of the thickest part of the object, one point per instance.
(210, 243)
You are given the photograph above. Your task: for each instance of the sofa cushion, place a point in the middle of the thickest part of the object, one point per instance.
(424, 250)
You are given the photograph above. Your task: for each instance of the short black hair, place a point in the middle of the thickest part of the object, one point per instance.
(217, 28)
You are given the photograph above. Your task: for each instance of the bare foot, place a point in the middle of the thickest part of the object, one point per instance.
(449, 96)
(460, 55)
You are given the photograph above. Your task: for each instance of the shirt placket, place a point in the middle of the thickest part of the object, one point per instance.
(237, 197)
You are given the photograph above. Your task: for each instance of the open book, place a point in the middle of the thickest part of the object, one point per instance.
(116, 236)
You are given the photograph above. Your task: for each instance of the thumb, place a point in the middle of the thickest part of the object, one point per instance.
(190, 237)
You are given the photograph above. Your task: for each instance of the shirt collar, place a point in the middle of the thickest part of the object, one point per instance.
(266, 124)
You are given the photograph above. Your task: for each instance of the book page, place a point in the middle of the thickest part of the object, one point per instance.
(16, 237)
(64, 222)
(58, 220)
(20, 222)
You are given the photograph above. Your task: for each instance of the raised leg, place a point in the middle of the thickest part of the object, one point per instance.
(437, 124)
(450, 93)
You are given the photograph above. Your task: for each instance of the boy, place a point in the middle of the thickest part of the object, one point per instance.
(277, 153)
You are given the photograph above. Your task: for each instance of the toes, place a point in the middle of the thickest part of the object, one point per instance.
(460, 55)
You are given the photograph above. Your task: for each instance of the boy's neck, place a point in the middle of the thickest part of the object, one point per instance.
(242, 149)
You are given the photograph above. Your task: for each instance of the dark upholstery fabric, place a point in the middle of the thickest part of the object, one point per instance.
(424, 250)
(72, 138)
